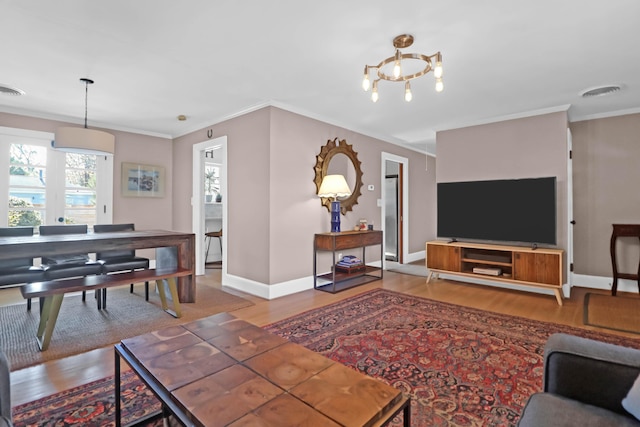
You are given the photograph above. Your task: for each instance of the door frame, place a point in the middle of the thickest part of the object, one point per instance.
(197, 200)
(403, 194)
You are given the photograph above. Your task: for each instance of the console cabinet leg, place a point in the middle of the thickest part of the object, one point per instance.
(558, 293)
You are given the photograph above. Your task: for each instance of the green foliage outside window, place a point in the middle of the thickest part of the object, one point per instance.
(20, 218)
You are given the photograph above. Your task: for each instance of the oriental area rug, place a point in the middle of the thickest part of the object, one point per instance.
(461, 366)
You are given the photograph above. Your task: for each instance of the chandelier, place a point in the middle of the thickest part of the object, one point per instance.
(400, 62)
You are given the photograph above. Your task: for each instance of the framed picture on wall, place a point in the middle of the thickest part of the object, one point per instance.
(142, 180)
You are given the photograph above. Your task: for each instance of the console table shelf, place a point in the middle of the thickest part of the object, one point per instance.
(540, 268)
(337, 281)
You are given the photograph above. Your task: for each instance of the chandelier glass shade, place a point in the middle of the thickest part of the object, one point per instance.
(400, 71)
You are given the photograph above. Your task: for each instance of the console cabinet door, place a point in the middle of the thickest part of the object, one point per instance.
(440, 257)
(537, 267)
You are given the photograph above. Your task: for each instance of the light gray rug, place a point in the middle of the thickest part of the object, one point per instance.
(82, 327)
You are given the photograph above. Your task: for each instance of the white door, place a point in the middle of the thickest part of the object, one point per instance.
(47, 186)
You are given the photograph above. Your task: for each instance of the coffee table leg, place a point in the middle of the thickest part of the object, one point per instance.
(117, 388)
(406, 414)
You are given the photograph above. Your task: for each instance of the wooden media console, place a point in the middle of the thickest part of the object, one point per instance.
(539, 267)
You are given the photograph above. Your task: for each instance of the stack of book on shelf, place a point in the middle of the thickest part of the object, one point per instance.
(350, 264)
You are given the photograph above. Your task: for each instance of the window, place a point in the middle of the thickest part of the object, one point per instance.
(48, 186)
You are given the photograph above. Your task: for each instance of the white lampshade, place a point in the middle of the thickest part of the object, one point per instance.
(334, 186)
(83, 140)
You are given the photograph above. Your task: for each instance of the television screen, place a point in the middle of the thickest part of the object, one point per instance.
(509, 210)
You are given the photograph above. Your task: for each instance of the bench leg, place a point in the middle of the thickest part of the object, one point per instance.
(48, 318)
(173, 288)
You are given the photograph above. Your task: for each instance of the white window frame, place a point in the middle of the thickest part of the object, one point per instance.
(55, 162)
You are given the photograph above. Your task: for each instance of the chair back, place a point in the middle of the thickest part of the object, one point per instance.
(13, 232)
(50, 230)
(112, 228)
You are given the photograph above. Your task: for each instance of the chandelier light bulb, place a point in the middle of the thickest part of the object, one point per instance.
(437, 71)
(439, 85)
(407, 92)
(365, 82)
(374, 92)
(397, 68)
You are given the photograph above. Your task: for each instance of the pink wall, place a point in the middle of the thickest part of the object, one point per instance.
(606, 176)
(523, 148)
(248, 189)
(273, 209)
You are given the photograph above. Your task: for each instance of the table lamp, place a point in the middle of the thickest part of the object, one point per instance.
(332, 187)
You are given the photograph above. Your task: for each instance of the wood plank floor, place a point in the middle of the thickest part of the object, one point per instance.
(35, 382)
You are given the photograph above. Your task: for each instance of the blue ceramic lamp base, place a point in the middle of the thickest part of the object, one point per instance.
(335, 216)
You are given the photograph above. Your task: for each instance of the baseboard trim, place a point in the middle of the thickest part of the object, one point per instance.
(606, 283)
(265, 291)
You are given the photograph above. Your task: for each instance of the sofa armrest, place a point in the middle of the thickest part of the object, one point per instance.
(590, 371)
(5, 389)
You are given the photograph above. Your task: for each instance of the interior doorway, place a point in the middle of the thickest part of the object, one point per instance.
(392, 235)
(394, 207)
(209, 203)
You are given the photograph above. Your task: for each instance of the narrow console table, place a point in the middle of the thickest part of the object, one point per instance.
(623, 230)
(333, 242)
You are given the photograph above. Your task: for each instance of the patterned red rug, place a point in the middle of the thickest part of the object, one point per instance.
(462, 367)
(91, 405)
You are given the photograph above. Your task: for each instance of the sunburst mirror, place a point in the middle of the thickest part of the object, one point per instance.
(338, 157)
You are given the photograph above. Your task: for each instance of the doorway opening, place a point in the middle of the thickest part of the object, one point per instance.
(209, 202)
(394, 207)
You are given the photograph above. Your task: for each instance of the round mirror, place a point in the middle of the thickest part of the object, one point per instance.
(338, 157)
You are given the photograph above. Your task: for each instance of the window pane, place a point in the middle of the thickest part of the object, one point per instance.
(80, 216)
(27, 182)
(35, 178)
(25, 218)
(80, 199)
(80, 191)
(23, 157)
(26, 197)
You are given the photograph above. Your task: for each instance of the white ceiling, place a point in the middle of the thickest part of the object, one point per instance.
(153, 60)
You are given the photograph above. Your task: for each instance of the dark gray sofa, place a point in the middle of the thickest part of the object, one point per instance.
(5, 392)
(584, 383)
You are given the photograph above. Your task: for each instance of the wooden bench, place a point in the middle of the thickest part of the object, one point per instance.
(52, 292)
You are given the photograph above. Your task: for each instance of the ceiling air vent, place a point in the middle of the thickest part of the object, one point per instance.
(8, 90)
(600, 91)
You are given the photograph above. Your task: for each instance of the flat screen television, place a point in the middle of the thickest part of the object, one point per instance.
(506, 210)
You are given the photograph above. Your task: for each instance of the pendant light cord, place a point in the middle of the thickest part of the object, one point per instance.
(86, 101)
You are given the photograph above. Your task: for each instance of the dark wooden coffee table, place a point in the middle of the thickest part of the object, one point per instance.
(223, 371)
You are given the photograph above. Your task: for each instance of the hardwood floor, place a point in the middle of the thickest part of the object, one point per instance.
(42, 380)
